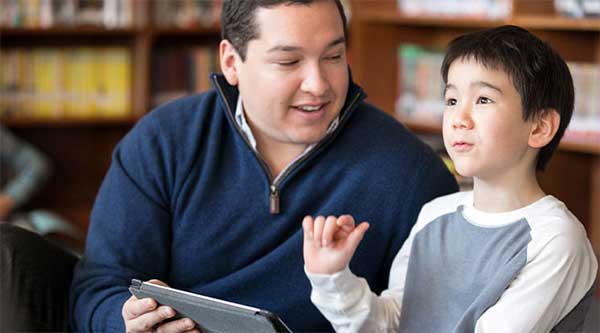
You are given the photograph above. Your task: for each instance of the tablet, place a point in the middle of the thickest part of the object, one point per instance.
(210, 314)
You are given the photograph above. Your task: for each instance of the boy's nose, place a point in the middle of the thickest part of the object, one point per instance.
(315, 81)
(462, 118)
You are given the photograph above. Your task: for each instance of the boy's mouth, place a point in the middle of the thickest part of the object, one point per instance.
(462, 146)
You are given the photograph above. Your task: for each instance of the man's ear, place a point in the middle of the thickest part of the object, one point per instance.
(545, 126)
(229, 62)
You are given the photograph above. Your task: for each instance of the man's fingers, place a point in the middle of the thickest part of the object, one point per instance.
(179, 325)
(146, 321)
(134, 307)
(329, 230)
(319, 224)
(158, 282)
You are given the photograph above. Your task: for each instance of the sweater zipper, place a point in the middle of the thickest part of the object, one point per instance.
(274, 193)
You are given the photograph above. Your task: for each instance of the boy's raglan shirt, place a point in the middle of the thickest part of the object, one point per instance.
(463, 270)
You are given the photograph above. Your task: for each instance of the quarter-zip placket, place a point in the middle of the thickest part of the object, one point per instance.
(274, 192)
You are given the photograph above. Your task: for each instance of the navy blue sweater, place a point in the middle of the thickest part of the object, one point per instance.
(186, 201)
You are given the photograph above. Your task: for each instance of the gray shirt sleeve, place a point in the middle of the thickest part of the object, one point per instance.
(27, 166)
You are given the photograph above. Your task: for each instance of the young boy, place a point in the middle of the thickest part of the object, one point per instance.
(504, 257)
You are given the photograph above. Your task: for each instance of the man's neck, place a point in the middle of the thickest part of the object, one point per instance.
(278, 155)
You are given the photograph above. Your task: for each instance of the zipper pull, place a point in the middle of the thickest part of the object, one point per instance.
(274, 200)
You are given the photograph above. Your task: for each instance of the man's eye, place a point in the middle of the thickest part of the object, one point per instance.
(450, 101)
(484, 100)
(335, 57)
(287, 63)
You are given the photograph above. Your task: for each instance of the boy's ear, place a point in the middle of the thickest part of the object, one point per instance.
(229, 62)
(544, 128)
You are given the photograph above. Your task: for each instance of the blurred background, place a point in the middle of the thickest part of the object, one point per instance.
(76, 75)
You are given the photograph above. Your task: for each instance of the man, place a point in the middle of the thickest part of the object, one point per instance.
(207, 193)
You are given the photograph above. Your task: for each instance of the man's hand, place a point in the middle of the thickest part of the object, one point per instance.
(329, 243)
(143, 315)
(6, 206)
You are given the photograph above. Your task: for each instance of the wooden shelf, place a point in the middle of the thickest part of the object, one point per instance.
(556, 22)
(565, 145)
(23, 122)
(580, 147)
(200, 31)
(68, 31)
(546, 22)
(394, 17)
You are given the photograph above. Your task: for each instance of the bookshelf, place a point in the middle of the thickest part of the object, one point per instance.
(378, 29)
(80, 146)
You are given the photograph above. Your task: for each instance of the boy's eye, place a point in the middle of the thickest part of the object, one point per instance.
(484, 100)
(450, 101)
(334, 57)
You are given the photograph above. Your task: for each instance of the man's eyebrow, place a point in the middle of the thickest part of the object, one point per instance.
(291, 48)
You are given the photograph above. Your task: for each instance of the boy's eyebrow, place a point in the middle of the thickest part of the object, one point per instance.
(487, 85)
(290, 48)
(448, 87)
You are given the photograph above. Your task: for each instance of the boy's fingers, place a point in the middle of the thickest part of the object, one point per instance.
(307, 225)
(329, 230)
(346, 222)
(340, 234)
(319, 224)
(357, 235)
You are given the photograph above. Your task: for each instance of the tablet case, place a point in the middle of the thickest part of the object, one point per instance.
(210, 314)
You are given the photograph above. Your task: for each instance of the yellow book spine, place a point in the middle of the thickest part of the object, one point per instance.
(81, 83)
(47, 66)
(115, 83)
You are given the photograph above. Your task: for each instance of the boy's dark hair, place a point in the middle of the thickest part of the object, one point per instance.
(539, 74)
(238, 24)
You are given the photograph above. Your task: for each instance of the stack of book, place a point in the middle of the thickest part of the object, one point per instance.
(420, 96)
(578, 8)
(187, 14)
(53, 83)
(484, 9)
(421, 89)
(182, 71)
(585, 124)
(59, 13)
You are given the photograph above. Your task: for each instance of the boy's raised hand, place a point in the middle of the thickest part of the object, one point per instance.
(329, 243)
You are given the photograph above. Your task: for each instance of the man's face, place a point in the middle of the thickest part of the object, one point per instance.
(294, 80)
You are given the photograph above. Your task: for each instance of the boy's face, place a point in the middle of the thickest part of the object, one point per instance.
(484, 132)
(294, 80)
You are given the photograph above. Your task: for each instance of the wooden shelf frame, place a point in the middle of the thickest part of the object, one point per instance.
(532, 21)
(565, 144)
(81, 148)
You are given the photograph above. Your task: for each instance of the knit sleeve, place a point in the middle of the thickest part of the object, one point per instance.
(129, 234)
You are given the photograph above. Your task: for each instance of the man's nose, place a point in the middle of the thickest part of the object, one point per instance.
(315, 80)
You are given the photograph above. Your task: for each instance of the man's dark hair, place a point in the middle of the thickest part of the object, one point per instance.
(539, 74)
(238, 23)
